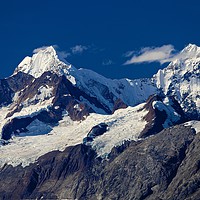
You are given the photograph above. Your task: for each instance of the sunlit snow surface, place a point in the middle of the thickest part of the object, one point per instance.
(124, 124)
(42, 61)
(181, 79)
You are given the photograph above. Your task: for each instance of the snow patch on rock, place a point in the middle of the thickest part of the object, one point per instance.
(172, 115)
(194, 124)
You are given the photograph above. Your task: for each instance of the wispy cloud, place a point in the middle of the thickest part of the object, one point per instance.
(39, 49)
(107, 62)
(152, 54)
(129, 53)
(78, 49)
(63, 54)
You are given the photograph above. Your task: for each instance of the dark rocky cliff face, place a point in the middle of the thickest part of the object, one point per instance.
(156, 118)
(163, 166)
(11, 85)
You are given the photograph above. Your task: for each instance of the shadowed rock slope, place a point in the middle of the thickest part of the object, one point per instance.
(163, 166)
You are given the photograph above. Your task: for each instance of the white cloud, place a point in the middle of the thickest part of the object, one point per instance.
(107, 62)
(62, 55)
(39, 49)
(152, 54)
(78, 49)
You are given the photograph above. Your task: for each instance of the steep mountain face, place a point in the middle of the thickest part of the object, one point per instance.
(59, 124)
(181, 79)
(12, 85)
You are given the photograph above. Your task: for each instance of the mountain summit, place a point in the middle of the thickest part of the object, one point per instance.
(44, 60)
(181, 79)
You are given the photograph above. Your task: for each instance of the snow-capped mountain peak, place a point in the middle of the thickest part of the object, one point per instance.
(46, 59)
(187, 57)
(191, 48)
(181, 78)
(50, 99)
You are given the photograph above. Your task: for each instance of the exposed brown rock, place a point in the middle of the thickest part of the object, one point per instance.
(11, 85)
(155, 118)
(15, 126)
(118, 104)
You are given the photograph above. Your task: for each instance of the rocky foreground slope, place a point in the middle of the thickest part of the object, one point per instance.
(164, 166)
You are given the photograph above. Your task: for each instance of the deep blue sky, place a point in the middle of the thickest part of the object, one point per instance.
(109, 28)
